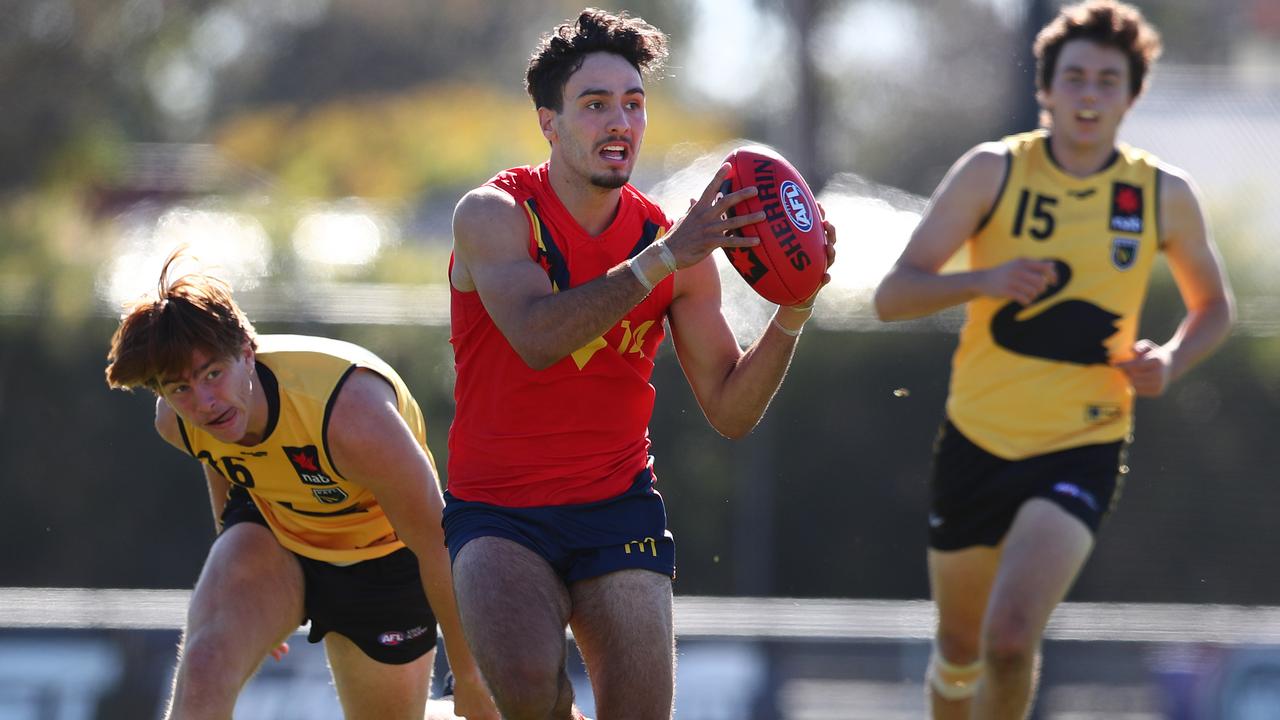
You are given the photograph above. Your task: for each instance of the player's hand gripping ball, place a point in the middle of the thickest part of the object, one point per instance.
(787, 266)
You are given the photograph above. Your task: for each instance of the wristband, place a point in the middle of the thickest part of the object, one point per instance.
(635, 270)
(668, 258)
(784, 331)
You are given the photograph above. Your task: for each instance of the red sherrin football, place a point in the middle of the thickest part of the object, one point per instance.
(788, 264)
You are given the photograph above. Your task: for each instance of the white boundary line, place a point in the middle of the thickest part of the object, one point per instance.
(696, 616)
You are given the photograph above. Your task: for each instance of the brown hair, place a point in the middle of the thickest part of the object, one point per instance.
(1106, 22)
(157, 335)
(560, 52)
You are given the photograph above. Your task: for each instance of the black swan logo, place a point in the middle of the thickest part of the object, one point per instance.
(1071, 331)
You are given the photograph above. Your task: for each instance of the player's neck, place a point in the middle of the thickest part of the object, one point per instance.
(593, 207)
(259, 410)
(1080, 159)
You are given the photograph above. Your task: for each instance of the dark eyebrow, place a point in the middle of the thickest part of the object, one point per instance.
(609, 93)
(194, 372)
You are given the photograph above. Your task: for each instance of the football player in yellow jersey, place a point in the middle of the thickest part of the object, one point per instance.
(326, 501)
(1061, 227)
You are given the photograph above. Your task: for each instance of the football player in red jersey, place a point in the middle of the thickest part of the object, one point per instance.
(1063, 225)
(562, 279)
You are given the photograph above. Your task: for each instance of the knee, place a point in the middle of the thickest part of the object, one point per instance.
(953, 680)
(1010, 641)
(532, 695)
(959, 647)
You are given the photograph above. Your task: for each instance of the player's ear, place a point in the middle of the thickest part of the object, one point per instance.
(546, 121)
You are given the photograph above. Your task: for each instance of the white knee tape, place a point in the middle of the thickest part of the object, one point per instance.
(951, 681)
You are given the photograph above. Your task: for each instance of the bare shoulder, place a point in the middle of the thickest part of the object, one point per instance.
(984, 163)
(488, 226)
(365, 404)
(364, 394)
(485, 212)
(1181, 213)
(167, 425)
(1177, 186)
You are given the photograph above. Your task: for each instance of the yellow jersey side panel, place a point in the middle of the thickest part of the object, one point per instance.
(310, 507)
(1028, 380)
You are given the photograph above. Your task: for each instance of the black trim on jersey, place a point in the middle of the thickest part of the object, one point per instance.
(1048, 150)
(1004, 183)
(1156, 204)
(182, 428)
(647, 236)
(271, 387)
(349, 510)
(328, 412)
(557, 267)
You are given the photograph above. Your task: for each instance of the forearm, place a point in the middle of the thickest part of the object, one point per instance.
(750, 383)
(555, 325)
(1198, 335)
(437, 582)
(907, 292)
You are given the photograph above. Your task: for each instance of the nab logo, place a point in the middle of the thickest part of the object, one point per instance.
(306, 461)
(391, 638)
(797, 206)
(1126, 208)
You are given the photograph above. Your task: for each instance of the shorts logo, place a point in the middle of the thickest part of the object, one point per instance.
(1074, 491)
(1126, 208)
(391, 638)
(1101, 413)
(1123, 252)
(796, 205)
(653, 546)
(306, 461)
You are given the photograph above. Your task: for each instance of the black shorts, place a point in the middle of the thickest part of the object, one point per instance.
(579, 541)
(974, 495)
(378, 604)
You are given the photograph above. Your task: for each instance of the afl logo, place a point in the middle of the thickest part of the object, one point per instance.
(390, 638)
(796, 205)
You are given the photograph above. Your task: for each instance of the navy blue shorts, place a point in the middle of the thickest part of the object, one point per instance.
(578, 541)
(974, 495)
(378, 604)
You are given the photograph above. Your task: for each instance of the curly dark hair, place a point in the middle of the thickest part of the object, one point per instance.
(1108, 23)
(560, 52)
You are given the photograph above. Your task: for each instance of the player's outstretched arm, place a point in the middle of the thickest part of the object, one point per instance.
(914, 288)
(490, 235)
(733, 387)
(370, 444)
(1198, 271)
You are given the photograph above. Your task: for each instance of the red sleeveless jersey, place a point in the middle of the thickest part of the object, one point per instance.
(577, 431)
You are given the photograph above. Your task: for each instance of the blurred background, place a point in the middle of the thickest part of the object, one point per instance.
(311, 151)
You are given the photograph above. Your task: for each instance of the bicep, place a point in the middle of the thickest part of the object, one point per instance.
(491, 241)
(1188, 246)
(965, 196)
(703, 340)
(371, 445)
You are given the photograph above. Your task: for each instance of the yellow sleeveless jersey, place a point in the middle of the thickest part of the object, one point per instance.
(310, 507)
(1028, 380)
